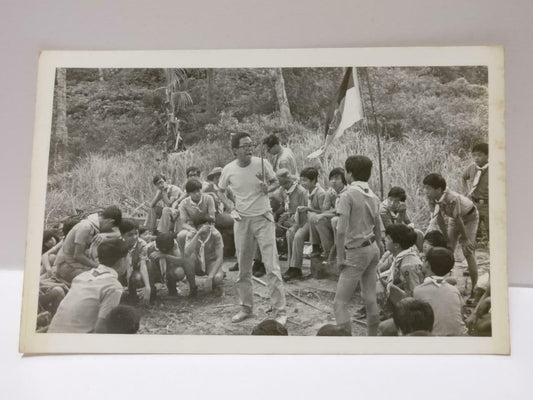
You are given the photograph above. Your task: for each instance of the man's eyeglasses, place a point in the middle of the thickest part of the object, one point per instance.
(247, 146)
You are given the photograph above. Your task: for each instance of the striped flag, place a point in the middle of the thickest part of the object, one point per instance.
(345, 111)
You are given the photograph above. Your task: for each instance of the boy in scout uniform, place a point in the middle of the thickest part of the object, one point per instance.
(462, 216)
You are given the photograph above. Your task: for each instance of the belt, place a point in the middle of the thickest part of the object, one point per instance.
(366, 243)
(481, 201)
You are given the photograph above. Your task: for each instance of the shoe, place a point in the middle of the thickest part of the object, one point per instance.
(241, 316)
(234, 268)
(258, 269)
(292, 273)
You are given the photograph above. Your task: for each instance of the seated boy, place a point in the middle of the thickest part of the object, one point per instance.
(49, 257)
(320, 227)
(93, 293)
(123, 320)
(476, 184)
(296, 238)
(196, 202)
(204, 251)
(413, 317)
(167, 264)
(394, 211)
(463, 219)
(136, 277)
(73, 258)
(169, 196)
(270, 327)
(445, 299)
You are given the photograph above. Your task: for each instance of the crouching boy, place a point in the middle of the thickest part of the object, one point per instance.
(93, 293)
(204, 251)
(136, 276)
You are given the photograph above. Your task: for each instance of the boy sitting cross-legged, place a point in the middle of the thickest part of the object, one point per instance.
(136, 276)
(93, 293)
(204, 251)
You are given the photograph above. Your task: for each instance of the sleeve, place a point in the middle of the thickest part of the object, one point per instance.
(83, 235)
(344, 205)
(269, 171)
(321, 200)
(412, 277)
(224, 179)
(211, 207)
(183, 215)
(175, 194)
(110, 299)
(455, 206)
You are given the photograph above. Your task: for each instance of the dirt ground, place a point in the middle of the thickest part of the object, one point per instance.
(210, 315)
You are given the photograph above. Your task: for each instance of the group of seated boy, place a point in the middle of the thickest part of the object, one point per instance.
(101, 266)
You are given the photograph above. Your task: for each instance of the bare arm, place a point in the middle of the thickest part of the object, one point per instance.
(45, 258)
(190, 245)
(156, 199)
(227, 202)
(377, 233)
(342, 224)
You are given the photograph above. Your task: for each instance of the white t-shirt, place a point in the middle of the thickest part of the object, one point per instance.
(250, 201)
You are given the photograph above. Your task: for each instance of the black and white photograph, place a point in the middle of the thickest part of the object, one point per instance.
(204, 201)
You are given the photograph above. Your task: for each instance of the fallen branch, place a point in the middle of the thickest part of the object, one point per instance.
(295, 296)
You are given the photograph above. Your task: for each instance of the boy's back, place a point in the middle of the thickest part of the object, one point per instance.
(92, 295)
(361, 210)
(447, 303)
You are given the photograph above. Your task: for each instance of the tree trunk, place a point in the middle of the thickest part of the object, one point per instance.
(211, 104)
(283, 102)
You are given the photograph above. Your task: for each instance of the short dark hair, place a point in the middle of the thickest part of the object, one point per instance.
(271, 140)
(441, 260)
(398, 193)
(402, 234)
(411, 315)
(112, 250)
(191, 169)
(360, 167)
(270, 327)
(193, 185)
(47, 235)
(114, 213)
(201, 218)
(436, 239)
(123, 319)
(127, 225)
(481, 147)
(310, 173)
(337, 172)
(165, 241)
(332, 330)
(70, 223)
(157, 178)
(435, 181)
(236, 139)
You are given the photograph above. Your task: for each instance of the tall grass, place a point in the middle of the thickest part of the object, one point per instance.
(99, 180)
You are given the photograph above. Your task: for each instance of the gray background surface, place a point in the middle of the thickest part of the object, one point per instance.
(29, 26)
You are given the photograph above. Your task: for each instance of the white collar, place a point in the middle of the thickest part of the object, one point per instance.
(436, 280)
(443, 196)
(481, 168)
(292, 188)
(105, 269)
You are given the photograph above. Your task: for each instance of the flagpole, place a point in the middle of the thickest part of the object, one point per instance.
(377, 131)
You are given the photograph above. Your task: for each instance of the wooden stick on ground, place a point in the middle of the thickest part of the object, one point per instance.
(295, 296)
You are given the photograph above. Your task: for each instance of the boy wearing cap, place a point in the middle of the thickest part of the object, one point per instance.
(93, 293)
(462, 217)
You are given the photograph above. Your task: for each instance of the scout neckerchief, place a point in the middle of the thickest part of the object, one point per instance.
(436, 280)
(363, 188)
(477, 177)
(311, 195)
(286, 199)
(439, 202)
(394, 215)
(201, 250)
(196, 205)
(338, 196)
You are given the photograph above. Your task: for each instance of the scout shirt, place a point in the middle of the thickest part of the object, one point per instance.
(286, 159)
(479, 185)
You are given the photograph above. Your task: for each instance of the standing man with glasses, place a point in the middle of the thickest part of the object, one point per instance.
(248, 178)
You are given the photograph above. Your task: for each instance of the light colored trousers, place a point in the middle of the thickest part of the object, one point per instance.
(362, 267)
(296, 238)
(249, 233)
(321, 232)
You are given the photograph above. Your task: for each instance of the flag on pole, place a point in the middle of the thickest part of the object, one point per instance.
(345, 111)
